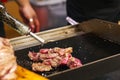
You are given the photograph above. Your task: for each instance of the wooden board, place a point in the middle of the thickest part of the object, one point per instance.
(24, 74)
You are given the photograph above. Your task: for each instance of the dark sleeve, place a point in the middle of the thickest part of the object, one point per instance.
(2, 32)
(81, 10)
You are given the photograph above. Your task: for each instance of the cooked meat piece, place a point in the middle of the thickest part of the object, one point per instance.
(48, 56)
(62, 51)
(53, 57)
(41, 67)
(44, 51)
(34, 56)
(52, 62)
(74, 62)
(64, 61)
(8, 63)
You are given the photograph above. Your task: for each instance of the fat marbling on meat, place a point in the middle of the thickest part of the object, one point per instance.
(46, 59)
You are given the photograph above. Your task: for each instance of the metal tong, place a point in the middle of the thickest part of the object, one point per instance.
(17, 25)
(71, 21)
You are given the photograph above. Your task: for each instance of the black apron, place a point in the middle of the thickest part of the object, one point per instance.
(81, 10)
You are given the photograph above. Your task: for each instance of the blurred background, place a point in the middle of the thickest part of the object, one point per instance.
(51, 14)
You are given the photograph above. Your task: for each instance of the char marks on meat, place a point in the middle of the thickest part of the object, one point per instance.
(47, 59)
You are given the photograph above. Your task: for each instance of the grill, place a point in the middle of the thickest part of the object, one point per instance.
(95, 53)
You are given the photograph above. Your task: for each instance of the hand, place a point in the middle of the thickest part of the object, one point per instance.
(29, 17)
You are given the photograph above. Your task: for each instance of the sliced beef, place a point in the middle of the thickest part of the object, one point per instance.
(53, 57)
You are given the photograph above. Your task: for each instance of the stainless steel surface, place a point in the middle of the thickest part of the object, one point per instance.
(48, 35)
(17, 25)
(101, 28)
(104, 29)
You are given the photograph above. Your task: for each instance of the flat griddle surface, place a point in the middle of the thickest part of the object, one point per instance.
(87, 48)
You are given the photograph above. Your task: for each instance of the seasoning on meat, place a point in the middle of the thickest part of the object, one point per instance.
(47, 59)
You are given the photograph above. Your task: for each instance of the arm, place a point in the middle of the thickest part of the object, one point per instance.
(28, 14)
(22, 3)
